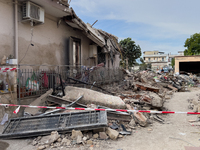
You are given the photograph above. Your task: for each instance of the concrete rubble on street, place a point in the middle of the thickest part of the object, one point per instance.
(143, 90)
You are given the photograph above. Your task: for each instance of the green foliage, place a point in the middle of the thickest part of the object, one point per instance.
(192, 45)
(130, 51)
(173, 62)
(143, 65)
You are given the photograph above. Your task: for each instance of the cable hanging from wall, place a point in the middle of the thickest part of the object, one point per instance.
(31, 44)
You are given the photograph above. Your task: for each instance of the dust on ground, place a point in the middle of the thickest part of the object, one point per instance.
(174, 134)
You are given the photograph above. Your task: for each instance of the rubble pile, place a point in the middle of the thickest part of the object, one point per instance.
(144, 90)
(77, 138)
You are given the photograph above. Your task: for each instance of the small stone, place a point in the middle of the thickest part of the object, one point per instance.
(120, 136)
(34, 142)
(150, 129)
(129, 130)
(59, 140)
(113, 134)
(65, 141)
(85, 138)
(62, 136)
(97, 146)
(41, 147)
(89, 142)
(95, 136)
(79, 140)
(75, 134)
(48, 140)
(91, 148)
(103, 135)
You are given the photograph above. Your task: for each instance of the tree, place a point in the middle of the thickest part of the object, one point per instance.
(131, 51)
(192, 45)
(173, 62)
(143, 65)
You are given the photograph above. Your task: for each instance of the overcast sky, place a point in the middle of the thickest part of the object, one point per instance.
(162, 25)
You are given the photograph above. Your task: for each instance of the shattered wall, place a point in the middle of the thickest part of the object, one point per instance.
(49, 41)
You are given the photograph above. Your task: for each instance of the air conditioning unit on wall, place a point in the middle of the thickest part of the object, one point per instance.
(33, 13)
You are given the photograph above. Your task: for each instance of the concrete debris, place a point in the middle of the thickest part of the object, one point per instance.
(41, 147)
(79, 139)
(103, 136)
(143, 90)
(113, 134)
(48, 140)
(139, 117)
(95, 136)
(75, 134)
(89, 142)
(38, 102)
(65, 142)
(94, 97)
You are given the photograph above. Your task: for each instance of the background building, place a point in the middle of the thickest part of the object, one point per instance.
(157, 59)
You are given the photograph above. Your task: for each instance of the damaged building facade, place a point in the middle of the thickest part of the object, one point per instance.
(50, 33)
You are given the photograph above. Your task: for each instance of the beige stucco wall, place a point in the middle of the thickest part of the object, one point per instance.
(48, 39)
(6, 28)
(184, 59)
(150, 52)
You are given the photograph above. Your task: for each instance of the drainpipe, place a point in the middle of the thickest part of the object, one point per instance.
(16, 42)
(16, 30)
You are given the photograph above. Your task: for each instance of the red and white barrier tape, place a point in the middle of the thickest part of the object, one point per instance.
(90, 109)
(7, 69)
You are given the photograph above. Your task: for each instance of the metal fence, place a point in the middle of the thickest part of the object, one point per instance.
(36, 80)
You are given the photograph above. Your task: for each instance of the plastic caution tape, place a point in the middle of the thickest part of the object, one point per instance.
(91, 109)
(7, 69)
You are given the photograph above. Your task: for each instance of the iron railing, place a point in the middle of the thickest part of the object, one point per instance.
(35, 80)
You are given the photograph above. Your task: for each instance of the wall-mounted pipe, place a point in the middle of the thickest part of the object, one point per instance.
(16, 29)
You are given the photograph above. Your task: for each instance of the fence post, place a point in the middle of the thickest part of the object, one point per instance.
(18, 76)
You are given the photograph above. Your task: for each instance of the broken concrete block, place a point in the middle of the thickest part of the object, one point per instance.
(132, 123)
(167, 97)
(79, 139)
(95, 136)
(89, 142)
(75, 134)
(41, 147)
(170, 93)
(139, 117)
(66, 142)
(34, 142)
(113, 134)
(90, 96)
(48, 140)
(103, 136)
(156, 101)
